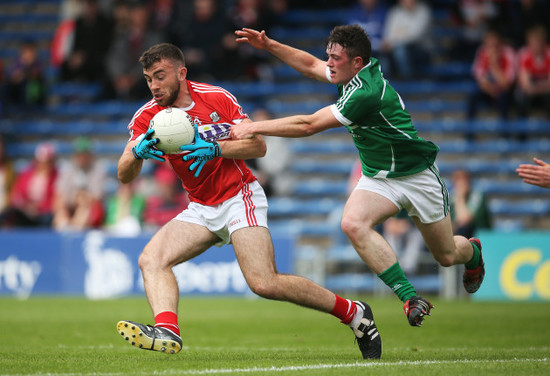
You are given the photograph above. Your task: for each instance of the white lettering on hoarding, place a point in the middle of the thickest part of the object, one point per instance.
(110, 273)
(19, 276)
(209, 278)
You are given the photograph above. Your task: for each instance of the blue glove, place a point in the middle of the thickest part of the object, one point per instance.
(144, 147)
(202, 152)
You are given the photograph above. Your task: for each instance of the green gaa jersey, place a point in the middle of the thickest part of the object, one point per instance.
(381, 128)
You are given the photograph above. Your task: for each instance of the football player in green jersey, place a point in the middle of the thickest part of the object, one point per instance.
(398, 170)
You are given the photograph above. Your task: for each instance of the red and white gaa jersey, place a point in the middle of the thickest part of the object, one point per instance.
(214, 110)
(538, 66)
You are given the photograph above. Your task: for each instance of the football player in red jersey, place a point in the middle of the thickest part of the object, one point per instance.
(227, 205)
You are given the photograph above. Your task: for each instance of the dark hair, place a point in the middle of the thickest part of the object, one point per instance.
(353, 40)
(162, 51)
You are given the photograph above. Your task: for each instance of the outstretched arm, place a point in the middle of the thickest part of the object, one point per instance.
(303, 62)
(292, 126)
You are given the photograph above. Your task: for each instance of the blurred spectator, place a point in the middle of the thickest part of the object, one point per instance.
(182, 14)
(371, 16)
(80, 190)
(7, 175)
(469, 208)
(406, 38)
(201, 38)
(242, 61)
(93, 33)
(62, 44)
(319, 4)
(132, 37)
(70, 9)
(537, 174)
(168, 199)
(473, 18)
(32, 195)
(124, 210)
(494, 71)
(25, 86)
(523, 14)
(534, 73)
(161, 11)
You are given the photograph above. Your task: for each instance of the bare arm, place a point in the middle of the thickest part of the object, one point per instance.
(128, 167)
(303, 62)
(292, 126)
(243, 149)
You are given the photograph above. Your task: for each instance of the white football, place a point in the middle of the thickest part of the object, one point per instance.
(174, 128)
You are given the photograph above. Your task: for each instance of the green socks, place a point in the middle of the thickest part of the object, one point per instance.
(474, 262)
(395, 279)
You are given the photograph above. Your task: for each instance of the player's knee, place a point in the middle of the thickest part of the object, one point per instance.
(351, 227)
(144, 261)
(149, 260)
(348, 227)
(264, 287)
(445, 260)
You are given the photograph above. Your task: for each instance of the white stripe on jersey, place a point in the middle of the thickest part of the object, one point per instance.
(383, 80)
(393, 126)
(231, 97)
(355, 84)
(202, 88)
(152, 103)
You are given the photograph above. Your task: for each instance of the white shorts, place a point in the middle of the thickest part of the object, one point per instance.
(423, 195)
(246, 209)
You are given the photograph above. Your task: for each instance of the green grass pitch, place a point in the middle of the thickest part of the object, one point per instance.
(239, 336)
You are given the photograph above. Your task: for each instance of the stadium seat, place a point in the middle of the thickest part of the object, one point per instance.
(72, 91)
(320, 187)
(281, 108)
(300, 17)
(510, 188)
(283, 33)
(505, 207)
(313, 166)
(297, 207)
(305, 146)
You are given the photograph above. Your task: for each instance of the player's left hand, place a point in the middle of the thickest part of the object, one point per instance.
(201, 152)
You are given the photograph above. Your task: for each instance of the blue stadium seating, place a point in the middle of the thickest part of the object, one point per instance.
(28, 35)
(300, 17)
(294, 34)
(305, 146)
(320, 187)
(295, 207)
(103, 109)
(312, 166)
(80, 91)
(505, 207)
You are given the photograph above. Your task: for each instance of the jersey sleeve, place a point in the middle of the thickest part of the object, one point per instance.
(227, 102)
(140, 121)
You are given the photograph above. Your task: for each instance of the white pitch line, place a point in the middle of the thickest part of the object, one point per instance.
(373, 364)
(342, 365)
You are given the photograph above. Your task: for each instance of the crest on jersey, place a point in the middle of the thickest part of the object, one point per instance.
(214, 116)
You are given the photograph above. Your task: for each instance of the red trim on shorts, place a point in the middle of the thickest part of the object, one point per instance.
(249, 206)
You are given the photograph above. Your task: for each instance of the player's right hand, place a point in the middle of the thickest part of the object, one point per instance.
(144, 148)
(256, 39)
